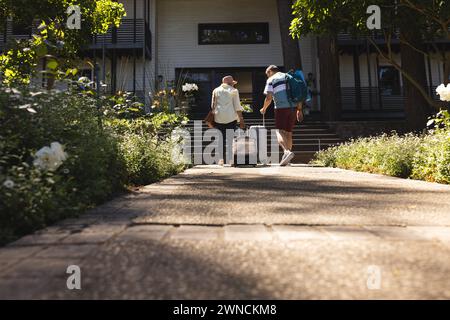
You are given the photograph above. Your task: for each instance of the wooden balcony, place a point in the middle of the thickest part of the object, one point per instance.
(348, 39)
(132, 34)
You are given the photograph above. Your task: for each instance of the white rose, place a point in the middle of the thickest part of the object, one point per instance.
(50, 158)
(444, 92)
(58, 151)
(9, 184)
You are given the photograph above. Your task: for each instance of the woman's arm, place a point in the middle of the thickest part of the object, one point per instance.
(238, 108)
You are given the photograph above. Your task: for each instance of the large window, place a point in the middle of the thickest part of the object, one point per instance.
(233, 33)
(389, 81)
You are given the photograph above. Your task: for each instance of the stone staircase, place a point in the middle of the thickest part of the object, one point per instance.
(309, 137)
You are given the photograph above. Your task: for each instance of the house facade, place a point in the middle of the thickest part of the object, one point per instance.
(165, 43)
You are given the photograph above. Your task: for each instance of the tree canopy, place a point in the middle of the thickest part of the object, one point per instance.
(54, 40)
(426, 20)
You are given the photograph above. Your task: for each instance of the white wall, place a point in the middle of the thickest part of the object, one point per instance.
(306, 50)
(177, 34)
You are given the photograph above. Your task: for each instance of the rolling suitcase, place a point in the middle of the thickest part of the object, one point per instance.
(245, 150)
(259, 133)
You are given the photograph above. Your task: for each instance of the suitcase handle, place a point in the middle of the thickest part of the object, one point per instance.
(246, 132)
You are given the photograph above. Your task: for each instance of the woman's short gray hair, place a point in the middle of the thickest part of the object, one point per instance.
(272, 68)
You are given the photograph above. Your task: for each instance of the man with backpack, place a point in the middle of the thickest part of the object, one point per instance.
(288, 94)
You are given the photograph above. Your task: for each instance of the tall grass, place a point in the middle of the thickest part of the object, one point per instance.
(424, 157)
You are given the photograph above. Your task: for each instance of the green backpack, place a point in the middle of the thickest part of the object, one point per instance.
(297, 88)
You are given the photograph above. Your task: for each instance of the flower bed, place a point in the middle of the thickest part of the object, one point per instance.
(423, 157)
(58, 156)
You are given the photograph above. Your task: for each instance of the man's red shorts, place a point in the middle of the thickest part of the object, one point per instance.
(285, 119)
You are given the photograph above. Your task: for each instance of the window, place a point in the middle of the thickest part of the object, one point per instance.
(21, 28)
(389, 81)
(233, 33)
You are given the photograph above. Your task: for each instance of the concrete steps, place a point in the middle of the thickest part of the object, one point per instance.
(309, 137)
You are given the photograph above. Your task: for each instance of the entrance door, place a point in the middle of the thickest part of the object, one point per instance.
(251, 82)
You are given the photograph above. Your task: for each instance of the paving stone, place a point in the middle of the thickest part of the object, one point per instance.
(144, 233)
(289, 233)
(4, 264)
(66, 251)
(433, 233)
(41, 239)
(16, 253)
(41, 268)
(106, 227)
(78, 221)
(247, 233)
(395, 233)
(88, 237)
(347, 233)
(22, 289)
(197, 233)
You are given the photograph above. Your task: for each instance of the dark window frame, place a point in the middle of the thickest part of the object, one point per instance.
(264, 26)
(396, 83)
(21, 28)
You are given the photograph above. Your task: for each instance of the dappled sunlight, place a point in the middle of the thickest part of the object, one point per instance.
(296, 195)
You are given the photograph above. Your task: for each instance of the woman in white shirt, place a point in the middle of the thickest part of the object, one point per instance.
(227, 110)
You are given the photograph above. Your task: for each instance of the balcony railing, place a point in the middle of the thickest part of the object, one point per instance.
(9, 33)
(132, 34)
(345, 38)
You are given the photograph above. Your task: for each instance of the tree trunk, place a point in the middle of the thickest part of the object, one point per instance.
(417, 108)
(291, 49)
(447, 69)
(330, 78)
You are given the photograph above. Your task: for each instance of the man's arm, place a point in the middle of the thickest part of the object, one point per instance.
(267, 103)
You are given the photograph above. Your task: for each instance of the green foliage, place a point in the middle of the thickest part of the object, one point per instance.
(106, 14)
(432, 161)
(441, 121)
(92, 172)
(388, 154)
(124, 105)
(427, 17)
(103, 156)
(54, 41)
(148, 159)
(425, 157)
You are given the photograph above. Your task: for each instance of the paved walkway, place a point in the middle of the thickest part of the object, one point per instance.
(225, 233)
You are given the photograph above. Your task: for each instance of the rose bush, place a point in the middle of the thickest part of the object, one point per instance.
(59, 154)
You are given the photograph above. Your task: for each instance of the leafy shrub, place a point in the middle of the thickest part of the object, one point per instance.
(387, 154)
(432, 162)
(425, 157)
(147, 159)
(103, 155)
(92, 172)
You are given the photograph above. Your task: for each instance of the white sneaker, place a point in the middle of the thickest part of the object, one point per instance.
(287, 158)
